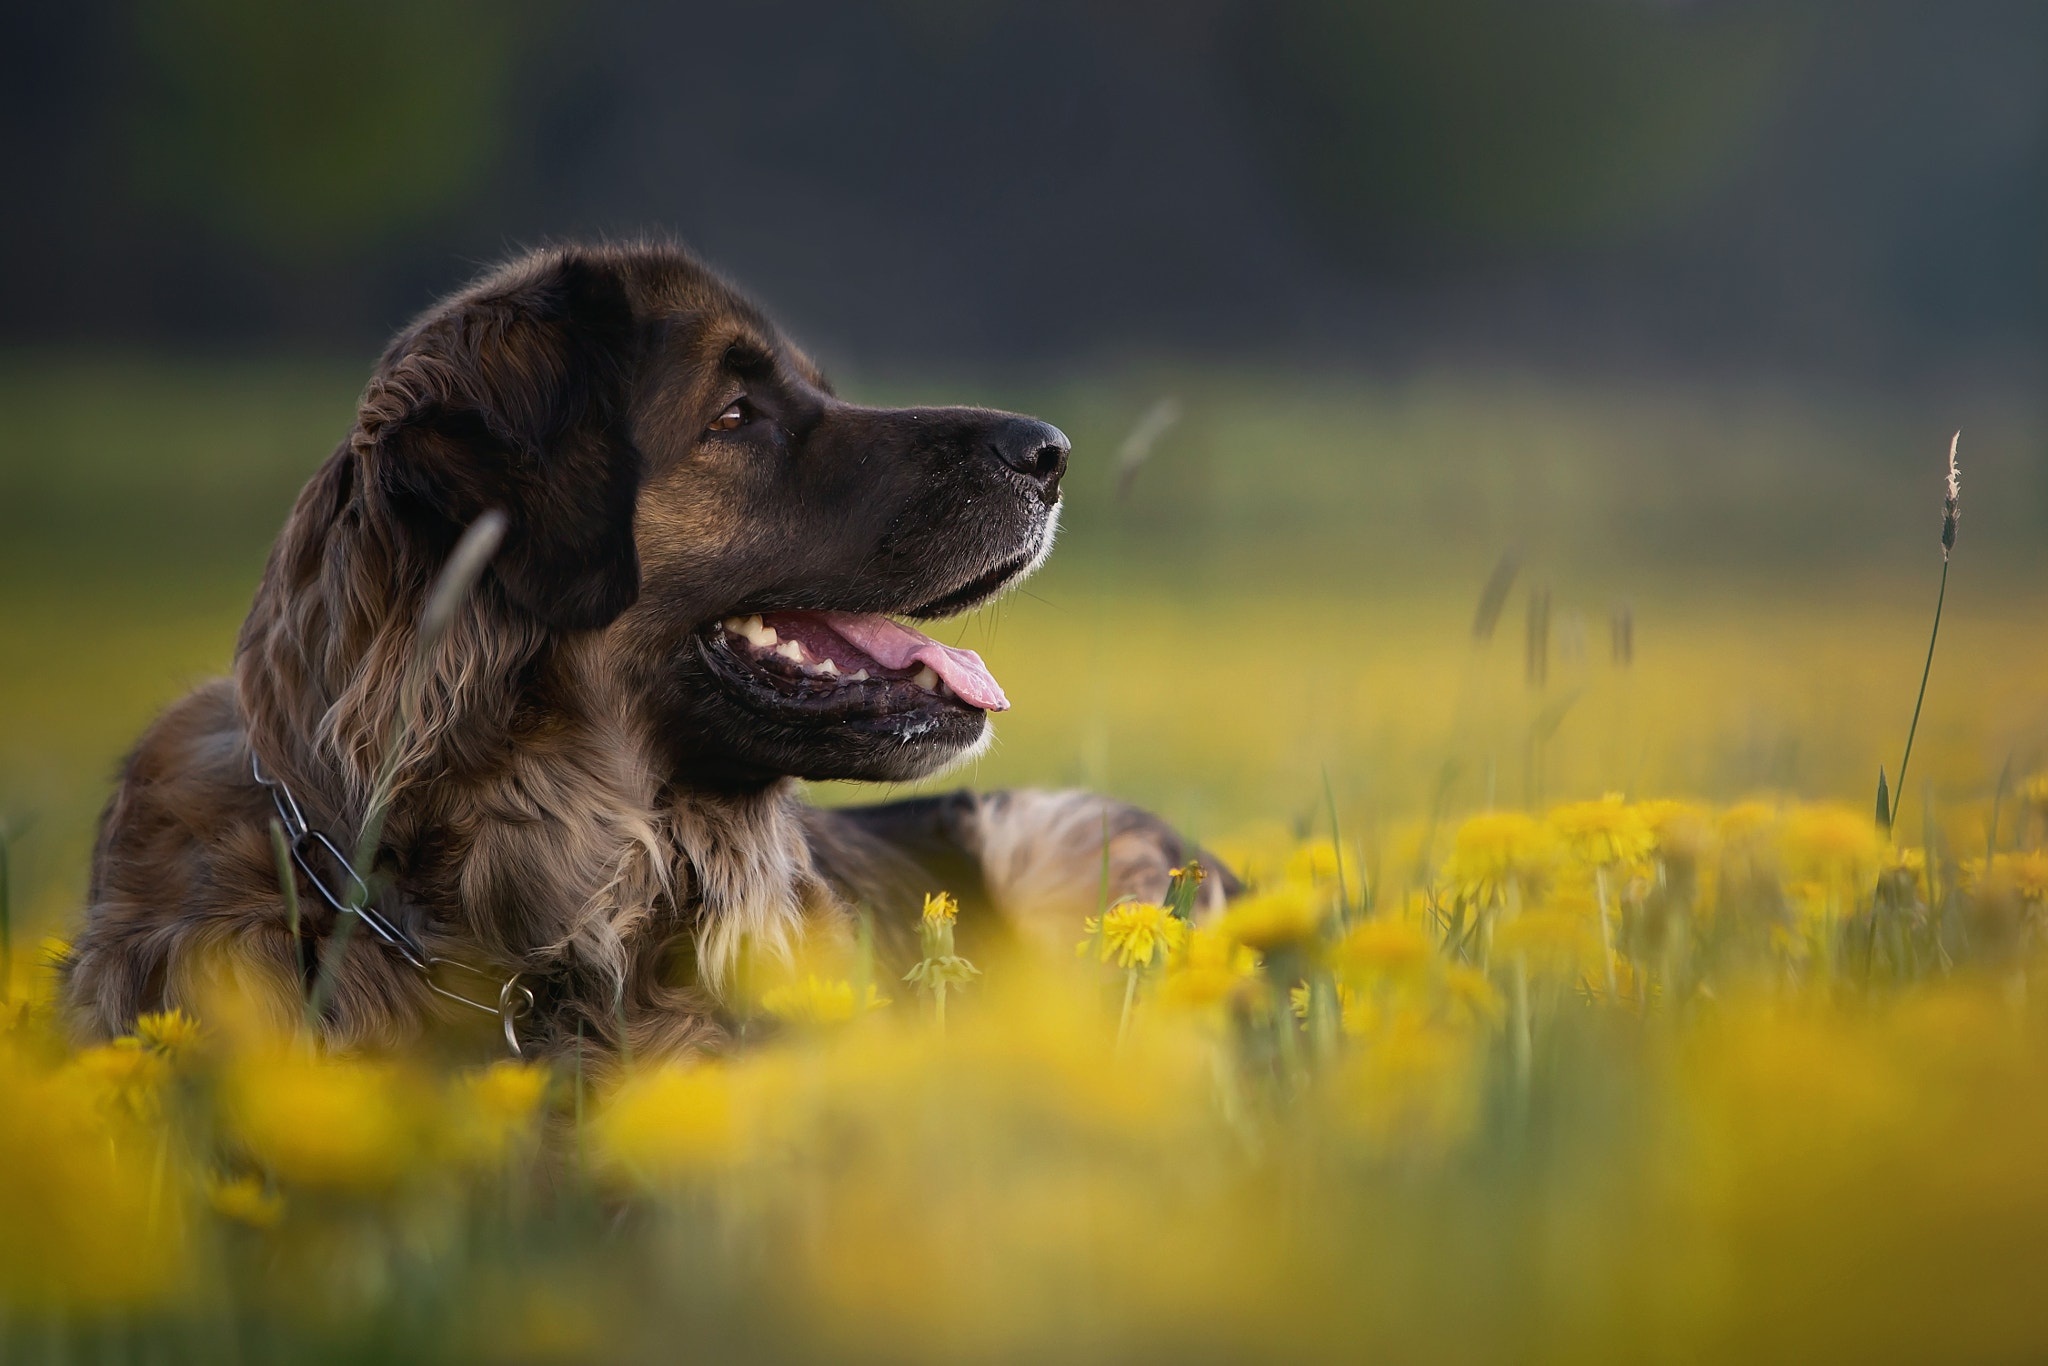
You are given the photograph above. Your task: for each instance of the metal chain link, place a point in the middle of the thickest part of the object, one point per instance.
(514, 1000)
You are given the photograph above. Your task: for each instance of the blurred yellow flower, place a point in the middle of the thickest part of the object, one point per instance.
(1746, 822)
(83, 1222)
(1209, 968)
(2034, 792)
(1551, 940)
(1499, 850)
(1472, 996)
(669, 1121)
(1832, 845)
(495, 1110)
(1355, 1017)
(1317, 862)
(1281, 918)
(1678, 830)
(1414, 1087)
(125, 1077)
(815, 1000)
(1135, 933)
(1384, 948)
(244, 1200)
(2024, 874)
(345, 1123)
(1604, 833)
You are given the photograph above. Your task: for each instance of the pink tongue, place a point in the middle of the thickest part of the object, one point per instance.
(895, 646)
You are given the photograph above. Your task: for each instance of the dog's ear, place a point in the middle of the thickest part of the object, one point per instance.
(513, 396)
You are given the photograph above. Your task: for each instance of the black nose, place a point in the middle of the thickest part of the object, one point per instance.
(1037, 450)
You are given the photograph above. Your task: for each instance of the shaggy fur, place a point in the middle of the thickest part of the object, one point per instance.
(582, 795)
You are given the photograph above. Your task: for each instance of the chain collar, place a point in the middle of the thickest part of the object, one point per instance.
(514, 1000)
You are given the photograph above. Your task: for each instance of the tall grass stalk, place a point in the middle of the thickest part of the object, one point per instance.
(6, 914)
(1337, 848)
(1951, 510)
(451, 589)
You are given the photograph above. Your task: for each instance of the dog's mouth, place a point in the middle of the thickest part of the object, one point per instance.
(847, 665)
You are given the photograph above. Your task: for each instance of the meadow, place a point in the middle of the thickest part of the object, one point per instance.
(1582, 1007)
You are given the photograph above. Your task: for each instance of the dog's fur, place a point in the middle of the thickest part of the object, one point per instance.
(587, 795)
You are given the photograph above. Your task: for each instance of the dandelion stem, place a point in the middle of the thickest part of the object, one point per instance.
(1123, 1023)
(1925, 669)
(1606, 933)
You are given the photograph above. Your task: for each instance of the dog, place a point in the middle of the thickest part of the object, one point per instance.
(586, 793)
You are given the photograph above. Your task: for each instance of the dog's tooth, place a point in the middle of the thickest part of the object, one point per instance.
(791, 650)
(736, 625)
(857, 676)
(925, 678)
(826, 668)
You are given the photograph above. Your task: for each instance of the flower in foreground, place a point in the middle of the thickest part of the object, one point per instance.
(1136, 933)
(244, 1200)
(1498, 850)
(347, 1123)
(1604, 833)
(1286, 916)
(1209, 968)
(172, 1033)
(814, 1000)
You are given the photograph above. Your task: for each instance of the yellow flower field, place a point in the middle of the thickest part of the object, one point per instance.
(1613, 1082)
(1578, 1009)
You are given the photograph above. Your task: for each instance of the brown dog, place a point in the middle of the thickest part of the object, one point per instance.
(594, 807)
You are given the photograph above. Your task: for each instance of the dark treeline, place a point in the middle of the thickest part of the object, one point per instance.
(1847, 185)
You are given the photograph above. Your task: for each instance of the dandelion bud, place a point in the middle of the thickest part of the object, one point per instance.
(940, 909)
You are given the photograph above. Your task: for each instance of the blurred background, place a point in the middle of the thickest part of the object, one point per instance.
(1659, 311)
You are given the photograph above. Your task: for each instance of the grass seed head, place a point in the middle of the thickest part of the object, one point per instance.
(1951, 501)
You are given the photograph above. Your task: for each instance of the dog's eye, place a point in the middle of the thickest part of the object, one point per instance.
(734, 416)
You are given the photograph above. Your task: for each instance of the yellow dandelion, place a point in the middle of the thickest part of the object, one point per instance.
(940, 909)
(1551, 940)
(172, 1033)
(124, 1077)
(1209, 969)
(669, 1121)
(1385, 949)
(1830, 844)
(1499, 850)
(1288, 915)
(496, 1109)
(1320, 861)
(1604, 833)
(2023, 874)
(2034, 792)
(346, 1123)
(1472, 997)
(815, 1000)
(1746, 822)
(1355, 1014)
(244, 1200)
(1678, 830)
(1135, 933)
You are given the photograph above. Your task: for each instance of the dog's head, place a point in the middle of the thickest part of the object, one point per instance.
(679, 477)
